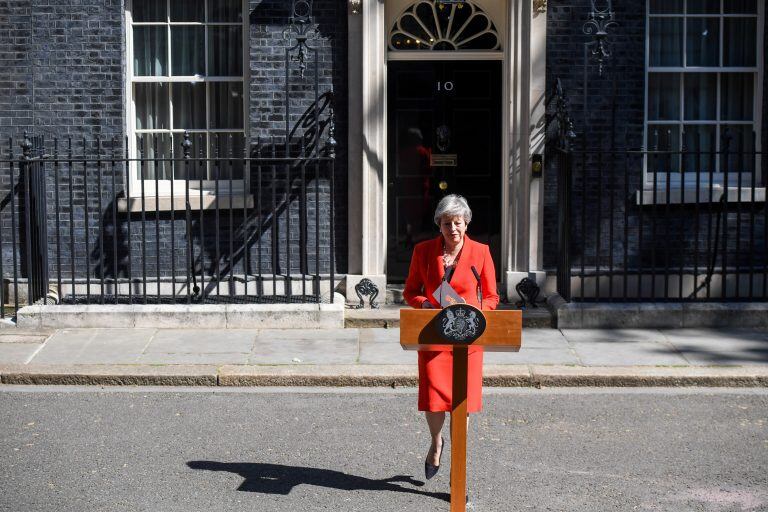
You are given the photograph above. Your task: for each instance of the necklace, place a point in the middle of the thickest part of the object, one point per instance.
(448, 259)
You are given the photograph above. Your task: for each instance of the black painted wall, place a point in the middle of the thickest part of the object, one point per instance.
(765, 91)
(617, 95)
(65, 63)
(324, 73)
(63, 67)
(16, 80)
(613, 118)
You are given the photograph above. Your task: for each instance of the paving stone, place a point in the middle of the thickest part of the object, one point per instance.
(707, 336)
(627, 352)
(366, 356)
(193, 358)
(24, 336)
(94, 346)
(589, 335)
(543, 338)
(382, 352)
(380, 335)
(721, 346)
(529, 355)
(13, 353)
(308, 334)
(316, 347)
(177, 341)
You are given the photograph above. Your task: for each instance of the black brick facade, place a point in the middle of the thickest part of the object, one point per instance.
(765, 89)
(64, 76)
(617, 94)
(66, 61)
(16, 79)
(327, 69)
(613, 118)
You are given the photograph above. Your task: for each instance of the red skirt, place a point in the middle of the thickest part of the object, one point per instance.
(436, 380)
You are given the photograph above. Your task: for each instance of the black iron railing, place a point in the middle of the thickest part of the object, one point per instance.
(663, 225)
(82, 222)
(23, 231)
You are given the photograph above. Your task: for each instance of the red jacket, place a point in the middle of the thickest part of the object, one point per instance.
(426, 274)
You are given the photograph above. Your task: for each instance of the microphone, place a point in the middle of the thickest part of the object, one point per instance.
(479, 287)
(441, 292)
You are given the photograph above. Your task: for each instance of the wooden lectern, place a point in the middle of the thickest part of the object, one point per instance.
(422, 329)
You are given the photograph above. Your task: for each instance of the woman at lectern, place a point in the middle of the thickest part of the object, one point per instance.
(449, 259)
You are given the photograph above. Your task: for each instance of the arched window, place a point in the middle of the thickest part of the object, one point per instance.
(437, 26)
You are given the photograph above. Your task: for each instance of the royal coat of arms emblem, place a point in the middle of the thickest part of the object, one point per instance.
(461, 323)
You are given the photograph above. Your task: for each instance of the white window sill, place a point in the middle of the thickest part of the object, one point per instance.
(687, 195)
(167, 203)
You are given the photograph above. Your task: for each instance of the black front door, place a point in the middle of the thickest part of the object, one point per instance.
(444, 137)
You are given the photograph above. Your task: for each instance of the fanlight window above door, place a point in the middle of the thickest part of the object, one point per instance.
(437, 26)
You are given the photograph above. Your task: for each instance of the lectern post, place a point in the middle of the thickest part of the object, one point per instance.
(459, 429)
(424, 329)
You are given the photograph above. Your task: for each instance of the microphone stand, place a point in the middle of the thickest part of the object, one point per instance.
(479, 287)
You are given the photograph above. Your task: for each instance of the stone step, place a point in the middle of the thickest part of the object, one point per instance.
(388, 316)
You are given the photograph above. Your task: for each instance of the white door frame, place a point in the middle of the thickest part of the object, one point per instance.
(370, 184)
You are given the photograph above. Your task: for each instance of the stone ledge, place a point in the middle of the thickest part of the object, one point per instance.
(209, 316)
(209, 201)
(657, 315)
(719, 314)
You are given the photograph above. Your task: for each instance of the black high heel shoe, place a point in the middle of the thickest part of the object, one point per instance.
(429, 469)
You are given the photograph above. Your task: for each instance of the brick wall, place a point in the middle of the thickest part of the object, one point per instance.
(326, 69)
(616, 95)
(67, 66)
(66, 79)
(765, 96)
(16, 79)
(613, 117)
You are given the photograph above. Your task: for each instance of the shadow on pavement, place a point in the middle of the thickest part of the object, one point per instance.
(750, 350)
(281, 479)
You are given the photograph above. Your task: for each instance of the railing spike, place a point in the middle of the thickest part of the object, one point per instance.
(26, 147)
(186, 144)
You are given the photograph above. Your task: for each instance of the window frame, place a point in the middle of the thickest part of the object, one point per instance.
(178, 186)
(689, 179)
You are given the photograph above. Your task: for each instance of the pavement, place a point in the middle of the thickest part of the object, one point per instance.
(373, 357)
